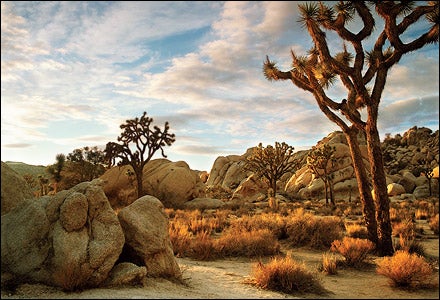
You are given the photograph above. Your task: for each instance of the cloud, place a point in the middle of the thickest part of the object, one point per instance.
(17, 145)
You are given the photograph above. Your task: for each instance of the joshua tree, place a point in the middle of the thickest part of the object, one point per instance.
(317, 71)
(272, 163)
(55, 170)
(145, 141)
(321, 161)
(43, 182)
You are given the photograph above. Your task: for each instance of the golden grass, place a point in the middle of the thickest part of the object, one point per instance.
(254, 243)
(329, 263)
(356, 231)
(305, 229)
(405, 269)
(284, 274)
(433, 223)
(354, 250)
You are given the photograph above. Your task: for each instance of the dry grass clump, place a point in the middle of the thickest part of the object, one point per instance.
(422, 214)
(356, 231)
(406, 231)
(306, 229)
(354, 250)
(285, 275)
(203, 237)
(433, 224)
(405, 269)
(406, 227)
(271, 221)
(329, 263)
(253, 243)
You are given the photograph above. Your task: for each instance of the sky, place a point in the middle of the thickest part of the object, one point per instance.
(72, 72)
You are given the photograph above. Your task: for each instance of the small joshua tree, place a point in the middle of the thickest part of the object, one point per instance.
(146, 141)
(55, 170)
(272, 163)
(321, 161)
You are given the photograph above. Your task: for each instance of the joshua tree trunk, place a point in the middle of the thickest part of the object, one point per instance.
(384, 230)
(139, 180)
(368, 209)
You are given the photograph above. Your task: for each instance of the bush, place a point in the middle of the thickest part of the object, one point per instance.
(356, 231)
(405, 269)
(306, 229)
(285, 275)
(433, 224)
(329, 264)
(259, 242)
(354, 250)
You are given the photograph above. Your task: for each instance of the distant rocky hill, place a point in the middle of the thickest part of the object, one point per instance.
(22, 169)
(404, 160)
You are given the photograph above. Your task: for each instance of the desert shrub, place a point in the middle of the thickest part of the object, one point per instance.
(405, 269)
(329, 263)
(306, 229)
(352, 211)
(406, 227)
(433, 224)
(422, 214)
(356, 231)
(202, 247)
(180, 238)
(271, 221)
(410, 245)
(394, 215)
(354, 250)
(253, 243)
(285, 275)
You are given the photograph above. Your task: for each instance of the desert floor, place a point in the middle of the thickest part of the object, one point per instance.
(227, 279)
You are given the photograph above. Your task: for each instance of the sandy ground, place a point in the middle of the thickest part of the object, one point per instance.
(226, 279)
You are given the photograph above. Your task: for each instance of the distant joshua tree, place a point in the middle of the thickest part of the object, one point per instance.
(138, 144)
(55, 170)
(321, 162)
(271, 163)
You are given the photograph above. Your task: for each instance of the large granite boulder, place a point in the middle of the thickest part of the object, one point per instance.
(70, 240)
(145, 225)
(14, 189)
(173, 183)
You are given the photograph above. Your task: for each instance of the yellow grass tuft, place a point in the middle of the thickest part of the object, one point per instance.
(329, 263)
(285, 275)
(405, 269)
(354, 250)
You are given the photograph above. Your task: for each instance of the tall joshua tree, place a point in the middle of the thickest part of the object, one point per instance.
(139, 144)
(363, 74)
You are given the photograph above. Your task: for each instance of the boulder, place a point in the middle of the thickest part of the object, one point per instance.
(69, 240)
(173, 183)
(14, 189)
(395, 189)
(145, 226)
